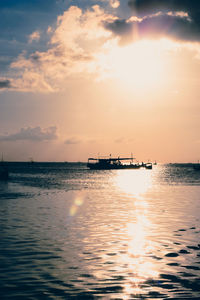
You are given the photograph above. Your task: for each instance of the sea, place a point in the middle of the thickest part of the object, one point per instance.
(67, 232)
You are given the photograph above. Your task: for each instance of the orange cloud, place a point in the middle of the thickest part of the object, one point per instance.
(81, 46)
(77, 39)
(114, 3)
(35, 36)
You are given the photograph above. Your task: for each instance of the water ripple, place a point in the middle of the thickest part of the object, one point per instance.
(71, 233)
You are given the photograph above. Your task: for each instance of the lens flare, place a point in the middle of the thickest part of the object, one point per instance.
(77, 202)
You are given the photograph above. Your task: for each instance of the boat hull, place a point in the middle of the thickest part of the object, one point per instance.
(111, 167)
(116, 164)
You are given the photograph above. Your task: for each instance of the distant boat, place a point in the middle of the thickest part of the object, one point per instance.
(148, 165)
(115, 163)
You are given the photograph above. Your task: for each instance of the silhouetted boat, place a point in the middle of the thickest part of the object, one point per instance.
(148, 165)
(111, 163)
(115, 163)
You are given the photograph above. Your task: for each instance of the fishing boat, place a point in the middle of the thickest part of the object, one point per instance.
(148, 165)
(112, 163)
(109, 163)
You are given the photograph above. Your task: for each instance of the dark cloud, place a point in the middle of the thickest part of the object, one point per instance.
(150, 6)
(174, 18)
(35, 57)
(32, 134)
(121, 28)
(5, 83)
(173, 26)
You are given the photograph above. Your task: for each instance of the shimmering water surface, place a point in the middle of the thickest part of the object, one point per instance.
(72, 233)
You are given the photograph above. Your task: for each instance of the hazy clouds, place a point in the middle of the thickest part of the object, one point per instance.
(75, 45)
(32, 134)
(72, 140)
(81, 39)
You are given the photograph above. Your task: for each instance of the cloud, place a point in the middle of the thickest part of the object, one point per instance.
(114, 3)
(176, 19)
(72, 140)
(175, 25)
(5, 83)
(144, 7)
(122, 140)
(80, 140)
(35, 36)
(121, 28)
(81, 40)
(32, 134)
(75, 43)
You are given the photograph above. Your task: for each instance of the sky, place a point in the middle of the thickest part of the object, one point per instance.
(90, 78)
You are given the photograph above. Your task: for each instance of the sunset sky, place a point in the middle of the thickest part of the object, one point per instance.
(86, 78)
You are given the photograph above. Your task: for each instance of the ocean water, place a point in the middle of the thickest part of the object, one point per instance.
(72, 233)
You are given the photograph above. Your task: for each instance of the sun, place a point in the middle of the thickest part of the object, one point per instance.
(139, 66)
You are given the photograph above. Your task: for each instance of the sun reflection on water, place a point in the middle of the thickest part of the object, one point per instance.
(134, 182)
(138, 230)
(139, 248)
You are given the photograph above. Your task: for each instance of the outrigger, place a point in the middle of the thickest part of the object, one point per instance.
(115, 163)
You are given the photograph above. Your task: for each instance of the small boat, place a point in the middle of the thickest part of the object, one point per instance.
(113, 163)
(148, 165)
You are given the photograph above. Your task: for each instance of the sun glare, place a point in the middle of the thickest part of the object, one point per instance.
(134, 183)
(139, 230)
(139, 66)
